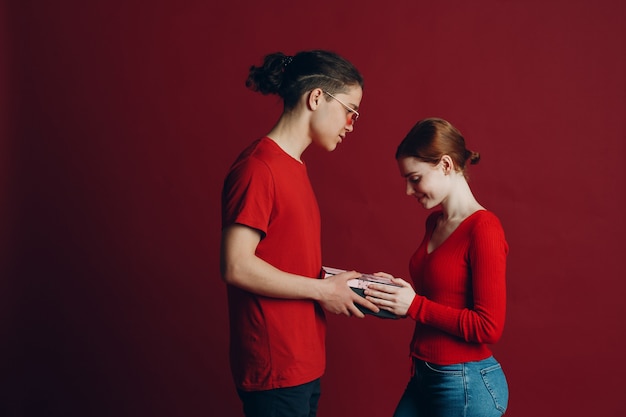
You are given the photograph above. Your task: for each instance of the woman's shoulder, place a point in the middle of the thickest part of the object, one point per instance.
(485, 222)
(484, 216)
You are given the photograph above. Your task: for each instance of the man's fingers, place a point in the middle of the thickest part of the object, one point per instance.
(366, 303)
(356, 312)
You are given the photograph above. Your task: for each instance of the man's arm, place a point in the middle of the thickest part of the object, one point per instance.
(241, 268)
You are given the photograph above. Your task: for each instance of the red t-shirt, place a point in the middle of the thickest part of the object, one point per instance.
(275, 343)
(461, 301)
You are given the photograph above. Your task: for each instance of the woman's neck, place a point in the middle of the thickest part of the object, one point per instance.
(460, 202)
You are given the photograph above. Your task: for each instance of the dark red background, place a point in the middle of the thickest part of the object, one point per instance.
(121, 118)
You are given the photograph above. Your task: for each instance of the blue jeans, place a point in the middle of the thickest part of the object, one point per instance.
(469, 389)
(298, 401)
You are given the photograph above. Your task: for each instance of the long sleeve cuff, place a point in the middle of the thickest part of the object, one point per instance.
(415, 307)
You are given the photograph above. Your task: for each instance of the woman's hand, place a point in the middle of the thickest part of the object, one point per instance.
(387, 297)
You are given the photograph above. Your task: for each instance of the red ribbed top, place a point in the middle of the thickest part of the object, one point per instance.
(461, 302)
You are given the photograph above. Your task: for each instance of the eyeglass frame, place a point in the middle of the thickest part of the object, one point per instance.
(354, 114)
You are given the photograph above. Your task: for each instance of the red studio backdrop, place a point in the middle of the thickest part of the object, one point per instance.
(120, 119)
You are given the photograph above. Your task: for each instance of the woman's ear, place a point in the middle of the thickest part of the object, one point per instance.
(447, 164)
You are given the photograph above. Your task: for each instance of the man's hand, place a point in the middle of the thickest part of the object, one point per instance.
(338, 298)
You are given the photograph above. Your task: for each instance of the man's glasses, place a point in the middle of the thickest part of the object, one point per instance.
(354, 115)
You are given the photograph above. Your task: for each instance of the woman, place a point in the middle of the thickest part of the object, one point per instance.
(271, 246)
(459, 275)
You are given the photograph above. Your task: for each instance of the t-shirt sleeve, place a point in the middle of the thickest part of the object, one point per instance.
(248, 195)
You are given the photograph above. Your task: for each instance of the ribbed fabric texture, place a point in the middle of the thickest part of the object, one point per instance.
(461, 303)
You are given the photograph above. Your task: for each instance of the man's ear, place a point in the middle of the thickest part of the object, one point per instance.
(315, 96)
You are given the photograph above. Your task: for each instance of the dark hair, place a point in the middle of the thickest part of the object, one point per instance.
(290, 77)
(430, 139)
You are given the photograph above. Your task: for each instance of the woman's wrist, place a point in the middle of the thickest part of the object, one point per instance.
(415, 307)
